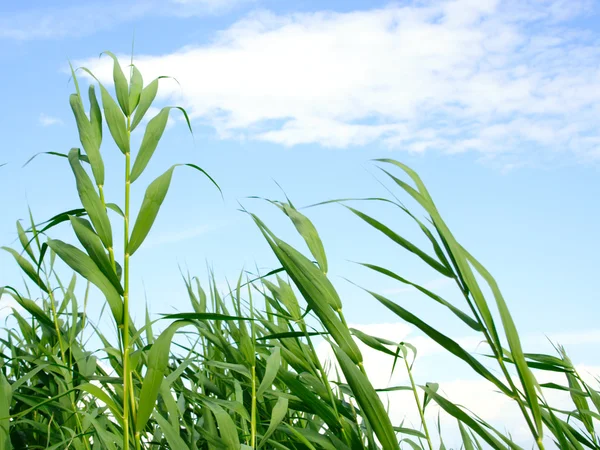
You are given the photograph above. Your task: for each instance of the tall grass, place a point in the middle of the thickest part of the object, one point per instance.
(240, 369)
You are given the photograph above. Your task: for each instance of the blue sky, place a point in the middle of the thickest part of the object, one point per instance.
(494, 103)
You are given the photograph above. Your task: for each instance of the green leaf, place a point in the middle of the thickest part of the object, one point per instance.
(528, 381)
(89, 138)
(277, 416)
(442, 340)
(101, 395)
(466, 438)
(120, 81)
(32, 308)
(85, 266)
(457, 312)
(153, 198)
(463, 417)
(289, 334)
(158, 360)
(91, 200)
(5, 401)
(27, 267)
(95, 116)
(170, 432)
(309, 233)
(373, 342)
(368, 400)
(452, 246)
(135, 88)
(204, 316)
(155, 195)
(310, 400)
(82, 157)
(152, 135)
(115, 121)
(24, 241)
(273, 364)
(93, 246)
(146, 98)
(404, 243)
(227, 427)
(316, 289)
(410, 432)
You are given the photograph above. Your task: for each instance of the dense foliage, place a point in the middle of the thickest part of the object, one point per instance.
(240, 370)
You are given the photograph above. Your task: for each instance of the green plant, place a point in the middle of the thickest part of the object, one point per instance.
(241, 369)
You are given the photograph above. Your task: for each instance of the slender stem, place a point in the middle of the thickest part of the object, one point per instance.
(253, 413)
(418, 402)
(125, 331)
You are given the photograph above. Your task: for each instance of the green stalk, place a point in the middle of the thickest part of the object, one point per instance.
(418, 402)
(253, 412)
(126, 378)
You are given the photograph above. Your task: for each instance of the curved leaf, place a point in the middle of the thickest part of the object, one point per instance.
(368, 400)
(153, 198)
(273, 364)
(152, 135)
(135, 88)
(146, 98)
(120, 81)
(93, 246)
(158, 359)
(27, 267)
(85, 266)
(91, 200)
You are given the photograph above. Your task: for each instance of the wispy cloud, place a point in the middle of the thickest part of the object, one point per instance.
(88, 17)
(509, 79)
(47, 121)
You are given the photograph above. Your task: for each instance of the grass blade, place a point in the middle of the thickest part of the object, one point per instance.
(152, 135)
(91, 200)
(368, 400)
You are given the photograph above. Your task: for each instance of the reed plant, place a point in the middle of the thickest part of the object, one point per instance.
(241, 368)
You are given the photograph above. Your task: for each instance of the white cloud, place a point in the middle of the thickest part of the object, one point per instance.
(47, 121)
(88, 17)
(502, 78)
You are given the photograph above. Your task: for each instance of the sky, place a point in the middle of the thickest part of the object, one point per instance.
(494, 103)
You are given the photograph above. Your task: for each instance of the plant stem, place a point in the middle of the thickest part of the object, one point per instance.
(126, 369)
(253, 413)
(253, 407)
(418, 402)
